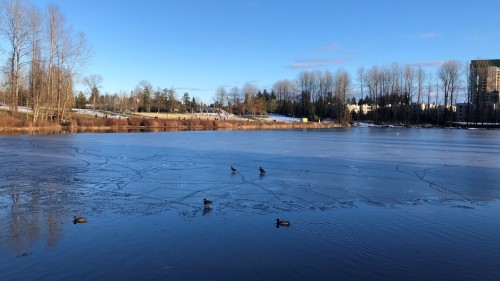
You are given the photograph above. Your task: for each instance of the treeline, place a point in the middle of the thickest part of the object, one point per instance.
(392, 93)
(42, 57)
(144, 98)
(313, 94)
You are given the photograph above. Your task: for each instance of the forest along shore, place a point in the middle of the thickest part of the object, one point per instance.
(21, 123)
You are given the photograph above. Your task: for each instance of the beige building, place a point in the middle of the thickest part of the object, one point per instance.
(485, 81)
(365, 108)
(485, 91)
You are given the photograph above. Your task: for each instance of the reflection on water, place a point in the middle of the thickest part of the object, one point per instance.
(363, 204)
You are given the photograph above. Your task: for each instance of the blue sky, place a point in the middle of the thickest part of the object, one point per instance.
(197, 46)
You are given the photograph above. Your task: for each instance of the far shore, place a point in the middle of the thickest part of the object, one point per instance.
(148, 122)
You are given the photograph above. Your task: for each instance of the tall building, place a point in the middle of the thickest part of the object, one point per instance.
(485, 80)
(485, 90)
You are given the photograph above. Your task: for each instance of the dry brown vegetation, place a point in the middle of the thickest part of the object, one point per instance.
(84, 123)
(11, 122)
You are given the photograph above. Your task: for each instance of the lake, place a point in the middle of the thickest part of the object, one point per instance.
(363, 204)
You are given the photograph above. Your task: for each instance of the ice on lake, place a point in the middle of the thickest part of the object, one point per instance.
(364, 203)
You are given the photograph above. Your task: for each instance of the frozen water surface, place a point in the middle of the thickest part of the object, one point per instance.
(363, 204)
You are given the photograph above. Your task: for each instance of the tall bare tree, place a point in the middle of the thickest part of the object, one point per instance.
(93, 82)
(373, 82)
(430, 82)
(221, 97)
(409, 86)
(54, 31)
(468, 90)
(36, 77)
(420, 90)
(361, 79)
(235, 99)
(449, 75)
(341, 93)
(250, 91)
(285, 91)
(15, 28)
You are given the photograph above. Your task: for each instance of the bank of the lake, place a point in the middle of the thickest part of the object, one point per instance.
(19, 123)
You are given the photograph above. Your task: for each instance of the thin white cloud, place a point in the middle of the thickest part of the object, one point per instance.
(188, 89)
(427, 35)
(427, 63)
(328, 48)
(309, 63)
(332, 48)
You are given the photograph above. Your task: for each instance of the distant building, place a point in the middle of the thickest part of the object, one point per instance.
(485, 76)
(359, 109)
(464, 110)
(485, 89)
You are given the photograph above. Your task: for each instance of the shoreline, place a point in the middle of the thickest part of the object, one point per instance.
(165, 126)
(85, 121)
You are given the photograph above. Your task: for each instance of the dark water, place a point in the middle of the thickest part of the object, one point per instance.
(363, 203)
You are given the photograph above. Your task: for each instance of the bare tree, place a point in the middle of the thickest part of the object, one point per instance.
(396, 93)
(15, 28)
(93, 82)
(449, 75)
(221, 97)
(409, 77)
(36, 65)
(361, 79)
(68, 53)
(54, 30)
(430, 81)
(468, 90)
(420, 89)
(235, 99)
(250, 91)
(305, 81)
(73, 55)
(373, 88)
(341, 93)
(285, 91)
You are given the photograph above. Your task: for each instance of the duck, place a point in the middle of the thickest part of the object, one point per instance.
(233, 169)
(206, 202)
(79, 220)
(282, 223)
(262, 171)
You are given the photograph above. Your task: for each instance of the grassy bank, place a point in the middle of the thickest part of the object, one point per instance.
(21, 123)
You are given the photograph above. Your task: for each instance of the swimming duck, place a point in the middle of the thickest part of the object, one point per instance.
(79, 220)
(282, 223)
(233, 169)
(262, 171)
(206, 202)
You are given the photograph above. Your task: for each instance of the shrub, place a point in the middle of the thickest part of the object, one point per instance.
(149, 123)
(9, 121)
(114, 122)
(135, 122)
